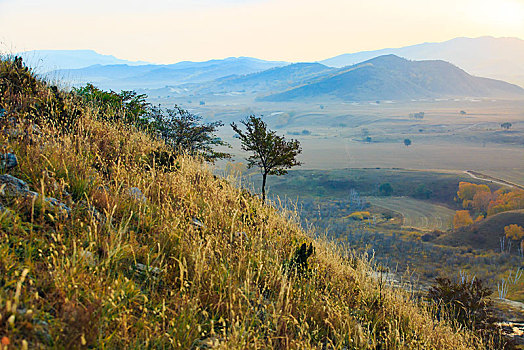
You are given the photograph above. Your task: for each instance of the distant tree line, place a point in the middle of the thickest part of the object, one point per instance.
(418, 115)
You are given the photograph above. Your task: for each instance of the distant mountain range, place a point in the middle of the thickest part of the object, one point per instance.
(152, 76)
(371, 75)
(274, 79)
(390, 77)
(48, 60)
(498, 58)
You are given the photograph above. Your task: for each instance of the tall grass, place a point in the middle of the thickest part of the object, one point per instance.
(197, 263)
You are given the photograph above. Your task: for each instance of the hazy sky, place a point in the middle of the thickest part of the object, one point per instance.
(167, 31)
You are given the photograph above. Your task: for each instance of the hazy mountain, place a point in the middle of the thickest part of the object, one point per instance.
(274, 79)
(499, 58)
(155, 76)
(48, 60)
(390, 77)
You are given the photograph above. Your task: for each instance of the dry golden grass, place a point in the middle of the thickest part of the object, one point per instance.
(197, 263)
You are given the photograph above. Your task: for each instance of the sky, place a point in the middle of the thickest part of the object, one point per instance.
(167, 31)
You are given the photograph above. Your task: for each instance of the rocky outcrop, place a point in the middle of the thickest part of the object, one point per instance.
(12, 187)
(8, 161)
(136, 194)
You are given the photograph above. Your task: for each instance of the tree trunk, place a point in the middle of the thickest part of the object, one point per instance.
(264, 187)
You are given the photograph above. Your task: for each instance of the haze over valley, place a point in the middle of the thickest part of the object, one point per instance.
(355, 107)
(262, 174)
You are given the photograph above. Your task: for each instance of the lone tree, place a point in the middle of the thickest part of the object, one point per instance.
(407, 142)
(271, 153)
(506, 125)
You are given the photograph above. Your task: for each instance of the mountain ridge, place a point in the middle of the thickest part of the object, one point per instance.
(150, 76)
(49, 60)
(390, 77)
(499, 58)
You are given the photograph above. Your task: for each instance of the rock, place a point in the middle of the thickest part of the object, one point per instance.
(10, 161)
(12, 186)
(36, 129)
(136, 194)
(88, 257)
(197, 223)
(207, 343)
(241, 235)
(143, 269)
(42, 331)
(57, 204)
(97, 217)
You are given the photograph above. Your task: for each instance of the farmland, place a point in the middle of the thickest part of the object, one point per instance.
(338, 135)
(351, 149)
(416, 213)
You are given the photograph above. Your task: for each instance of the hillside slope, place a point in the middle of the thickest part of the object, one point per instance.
(101, 247)
(390, 77)
(485, 234)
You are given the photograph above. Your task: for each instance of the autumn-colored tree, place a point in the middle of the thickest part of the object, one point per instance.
(514, 232)
(479, 218)
(462, 218)
(468, 190)
(497, 206)
(506, 199)
(481, 201)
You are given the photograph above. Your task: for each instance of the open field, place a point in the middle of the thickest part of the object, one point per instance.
(437, 187)
(416, 213)
(336, 135)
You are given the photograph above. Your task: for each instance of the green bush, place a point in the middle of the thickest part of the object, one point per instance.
(468, 303)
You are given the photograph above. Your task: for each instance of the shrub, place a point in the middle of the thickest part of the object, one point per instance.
(462, 218)
(514, 232)
(126, 106)
(385, 189)
(360, 215)
(468, 302)
(422, 192)
(299, 262)
(184, 132)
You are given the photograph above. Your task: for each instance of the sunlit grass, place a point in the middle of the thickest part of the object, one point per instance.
(196, 263)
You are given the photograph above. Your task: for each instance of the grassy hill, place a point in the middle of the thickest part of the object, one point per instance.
(103, 248)
(390, 77)
(485, 234)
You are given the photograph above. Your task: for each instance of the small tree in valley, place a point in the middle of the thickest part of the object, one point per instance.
(462, 218)
(506, 125)
(271, 153)
(514, 232)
